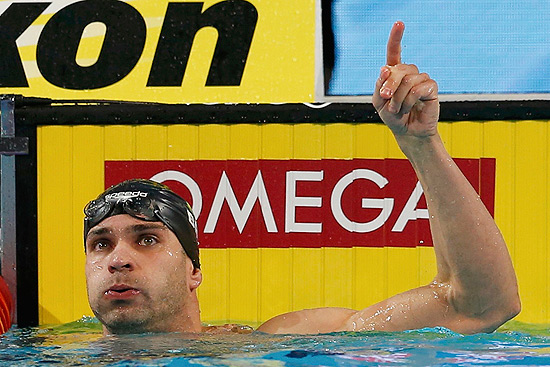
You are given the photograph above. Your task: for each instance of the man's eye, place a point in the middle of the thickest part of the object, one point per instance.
(100, 245)
(148, 241)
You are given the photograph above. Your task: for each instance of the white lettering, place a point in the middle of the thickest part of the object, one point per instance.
(225, 192)
(409, 211)
(186, 180)
(125, 195)
(292, 201)
(258, 192)
(385, 204)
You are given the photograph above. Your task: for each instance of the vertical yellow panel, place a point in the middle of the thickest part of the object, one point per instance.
(307, 274)
(275, 282)
(402, 270)
(339, 141)
(243, 285)
(213, 141)
(87, 163)
(467, 138)
(244, 141)
(338, 277)
(41, 210)
(276, 141)
(182, 142)
(55, 184)
(308, 141)
(120, 142)
(370, 276)
(427, 265)
(498, 143)
(531, 219)
(371, 140)
(214, 291)
(150, 142)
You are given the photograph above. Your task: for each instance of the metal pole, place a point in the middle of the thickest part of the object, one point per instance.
(7, 200)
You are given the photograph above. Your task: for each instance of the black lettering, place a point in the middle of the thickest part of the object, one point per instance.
(235, 21)
(13, 22)
(121, 50)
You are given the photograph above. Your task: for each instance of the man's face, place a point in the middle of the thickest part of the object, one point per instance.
(138, 276)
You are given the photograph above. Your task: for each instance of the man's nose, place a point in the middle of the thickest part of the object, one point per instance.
(121, 258)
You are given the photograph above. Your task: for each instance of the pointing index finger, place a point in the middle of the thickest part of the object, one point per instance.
(393, 56)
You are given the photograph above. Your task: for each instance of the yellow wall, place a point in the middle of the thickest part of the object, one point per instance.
(251, 285)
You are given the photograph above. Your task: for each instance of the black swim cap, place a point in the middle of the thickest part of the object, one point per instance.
(150, 201)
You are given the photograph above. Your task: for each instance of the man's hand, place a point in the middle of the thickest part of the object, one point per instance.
(405, 99)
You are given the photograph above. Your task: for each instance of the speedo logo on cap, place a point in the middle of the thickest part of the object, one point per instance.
(125, 195)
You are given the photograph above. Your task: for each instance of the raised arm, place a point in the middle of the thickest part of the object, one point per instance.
(475, 289)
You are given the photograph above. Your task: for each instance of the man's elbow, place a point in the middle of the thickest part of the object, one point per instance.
(512, 308)
(505, 311)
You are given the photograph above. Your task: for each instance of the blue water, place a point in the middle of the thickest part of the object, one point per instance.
(81, 344)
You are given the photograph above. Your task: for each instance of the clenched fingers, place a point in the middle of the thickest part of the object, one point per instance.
(408, 83)
(393, 81)
(422, 92)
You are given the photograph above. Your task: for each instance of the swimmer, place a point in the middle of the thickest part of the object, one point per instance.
(142, 261)
(143, 269)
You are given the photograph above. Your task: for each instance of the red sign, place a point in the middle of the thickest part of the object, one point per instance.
(304, 203)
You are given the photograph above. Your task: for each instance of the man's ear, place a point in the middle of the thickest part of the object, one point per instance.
(195, 279)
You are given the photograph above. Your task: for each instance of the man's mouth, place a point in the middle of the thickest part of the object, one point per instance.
(121, 291)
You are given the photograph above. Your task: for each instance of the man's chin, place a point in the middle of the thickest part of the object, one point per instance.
(128, 325)
(124, 319)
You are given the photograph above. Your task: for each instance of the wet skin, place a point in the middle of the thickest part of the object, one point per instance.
(139, 278)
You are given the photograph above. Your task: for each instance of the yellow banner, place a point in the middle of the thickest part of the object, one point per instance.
(252, 285)
(230, 51)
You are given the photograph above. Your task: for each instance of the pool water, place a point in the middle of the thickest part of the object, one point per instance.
(81, 344)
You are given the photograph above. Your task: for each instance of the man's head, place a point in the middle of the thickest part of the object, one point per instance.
(149, 201)
(142, 264)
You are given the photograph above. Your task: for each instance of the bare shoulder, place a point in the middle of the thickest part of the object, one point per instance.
(311, 321)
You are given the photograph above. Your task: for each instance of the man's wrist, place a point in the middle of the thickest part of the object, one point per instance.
(419, 147)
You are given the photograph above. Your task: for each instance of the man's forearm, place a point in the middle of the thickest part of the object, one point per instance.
(472, 255)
